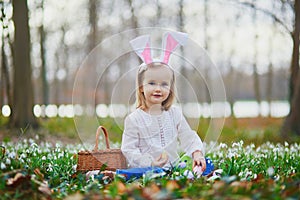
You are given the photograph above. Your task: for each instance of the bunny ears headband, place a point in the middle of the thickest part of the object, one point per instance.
(171, 41)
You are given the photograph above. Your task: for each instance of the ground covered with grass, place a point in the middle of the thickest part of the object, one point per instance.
(32, 169)
(256, 163)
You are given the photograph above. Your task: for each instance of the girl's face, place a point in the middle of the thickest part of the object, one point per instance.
(156, 85)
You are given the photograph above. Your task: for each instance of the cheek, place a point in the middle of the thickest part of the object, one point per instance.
(167, 89)
(147, 88)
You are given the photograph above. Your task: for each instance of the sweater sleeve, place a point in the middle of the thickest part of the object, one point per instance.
(130, 146)
(188, 138)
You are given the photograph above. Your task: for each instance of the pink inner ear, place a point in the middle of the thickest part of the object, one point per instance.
(147, 54)
(170, 46)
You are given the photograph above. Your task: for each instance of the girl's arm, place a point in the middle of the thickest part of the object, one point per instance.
(131, 146)
(190, 142)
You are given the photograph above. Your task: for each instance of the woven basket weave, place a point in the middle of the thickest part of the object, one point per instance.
(94, 160)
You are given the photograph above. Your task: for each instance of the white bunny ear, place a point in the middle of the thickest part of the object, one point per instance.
(171, 41)
(141, 46)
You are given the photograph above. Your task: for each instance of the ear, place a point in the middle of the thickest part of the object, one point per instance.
(141, 46)
(171, 41)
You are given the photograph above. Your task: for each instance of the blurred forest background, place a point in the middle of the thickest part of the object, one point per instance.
(253, 43)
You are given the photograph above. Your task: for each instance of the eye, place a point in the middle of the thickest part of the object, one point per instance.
(151, 83)
(164, 84)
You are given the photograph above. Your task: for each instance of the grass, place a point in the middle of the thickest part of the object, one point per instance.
(250, 130)
(48, 171)
(256, 164)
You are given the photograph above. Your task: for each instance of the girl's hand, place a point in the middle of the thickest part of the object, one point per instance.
(199, 160)
(161, 160)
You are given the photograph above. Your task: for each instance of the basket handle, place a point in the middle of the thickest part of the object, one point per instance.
(3, 151)
(97, 137)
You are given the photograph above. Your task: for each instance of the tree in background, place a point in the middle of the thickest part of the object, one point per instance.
(291, 124)
(42, 33)
(292, 121)
(22, 104)
(5, 80)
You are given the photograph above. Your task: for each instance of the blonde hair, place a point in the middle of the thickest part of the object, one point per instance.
(140, 98)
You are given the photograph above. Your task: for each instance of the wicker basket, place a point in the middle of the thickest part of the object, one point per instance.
(95, 159)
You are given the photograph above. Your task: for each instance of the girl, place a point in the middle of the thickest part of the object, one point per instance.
(156, 131)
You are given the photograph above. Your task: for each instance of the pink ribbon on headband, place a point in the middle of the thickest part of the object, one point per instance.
(171, 41)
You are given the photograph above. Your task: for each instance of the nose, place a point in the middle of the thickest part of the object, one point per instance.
(157, 87)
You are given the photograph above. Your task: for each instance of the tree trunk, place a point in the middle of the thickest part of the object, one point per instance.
(5, 79)
(295, 54)
(45, 85)
(292, 121)
(22, 107)
(256, 82)
(6, 97)
(270, 87)
(206, 47)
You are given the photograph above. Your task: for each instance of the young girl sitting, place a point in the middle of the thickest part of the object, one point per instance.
(156, 132)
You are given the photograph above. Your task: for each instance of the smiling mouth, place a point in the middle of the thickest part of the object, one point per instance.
(157, 95)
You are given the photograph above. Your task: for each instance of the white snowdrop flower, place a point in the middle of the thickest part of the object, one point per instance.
(34, 146)
(8, 162)
(23, 155)
(31, 141)
(223, 145)
(74, 167)
(248, 173)
(11, 154)
(230, 155)
(254, 176)
(2, 165)
(240, 174)
(234, 145)
(44, 158)
(60, 155)
(57, 145)
(258, 149)
(286, 143)
(48, 145)
(270, 171)
(276, 150)
(264, 156)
